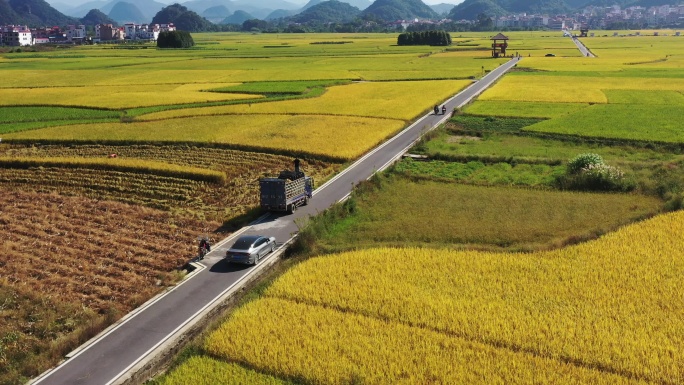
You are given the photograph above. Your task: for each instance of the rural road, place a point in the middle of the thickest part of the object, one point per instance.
(115, 355)
(582, 47)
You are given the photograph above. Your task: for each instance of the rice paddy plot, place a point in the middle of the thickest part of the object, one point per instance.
(573, 315)
(33, 114)
(522, 109)
(575, 89)
(325, 135)
(647, 97)
(660, 123)
(391, 100)
(481, 217)
(119, 96)
(585, 304)
(319, 345)
(530, 148)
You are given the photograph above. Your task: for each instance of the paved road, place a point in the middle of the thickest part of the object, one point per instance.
(582, 47)
(113, 355)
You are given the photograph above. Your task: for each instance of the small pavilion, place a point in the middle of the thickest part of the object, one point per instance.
(499, 45)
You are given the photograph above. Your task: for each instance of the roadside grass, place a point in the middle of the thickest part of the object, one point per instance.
(657, 123)
(399, 211)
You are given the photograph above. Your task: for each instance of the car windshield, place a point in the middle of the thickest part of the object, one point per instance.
(244, 243)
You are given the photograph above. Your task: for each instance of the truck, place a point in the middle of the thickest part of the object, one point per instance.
(288, 191)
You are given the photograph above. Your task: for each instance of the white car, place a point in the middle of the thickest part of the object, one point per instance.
(249, 249)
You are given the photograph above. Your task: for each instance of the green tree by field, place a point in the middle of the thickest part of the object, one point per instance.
(175, 39)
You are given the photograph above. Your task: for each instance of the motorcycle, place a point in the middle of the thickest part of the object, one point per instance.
(436, 110)
(443, 110)
(204, 248)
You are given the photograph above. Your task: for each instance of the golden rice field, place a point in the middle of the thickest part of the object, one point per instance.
(367, 99)
(331, 136)
(118, 97)
(607, 311)
(572, 89)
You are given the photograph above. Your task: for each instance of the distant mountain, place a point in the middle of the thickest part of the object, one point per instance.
(95, 17)
(280, 13)
(391, 10)
(442, 8)
(149, 8)
(470, 9)
(80, 10)
(183, 18)
(264, 4)
(199, 6)
(124, 12)
(536, 6)
(216, 14)
(33, 13)
(360, 4)
(238, 17)
(331, 11)
(7, 14)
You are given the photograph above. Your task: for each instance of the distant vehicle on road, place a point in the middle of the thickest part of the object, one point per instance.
(249, 249)
(550, 55)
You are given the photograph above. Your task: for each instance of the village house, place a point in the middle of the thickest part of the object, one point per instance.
(16, 35)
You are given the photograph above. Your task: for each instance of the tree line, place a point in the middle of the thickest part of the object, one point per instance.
(424, 38)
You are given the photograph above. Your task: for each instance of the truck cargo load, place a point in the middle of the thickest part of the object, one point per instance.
(288, 191)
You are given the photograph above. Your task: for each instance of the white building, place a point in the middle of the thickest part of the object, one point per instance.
(147, 32)
(76, 34)
(16, 35)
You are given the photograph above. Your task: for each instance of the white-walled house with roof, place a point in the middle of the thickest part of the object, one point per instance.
(16, 35)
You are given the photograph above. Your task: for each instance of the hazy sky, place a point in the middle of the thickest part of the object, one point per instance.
(79, 2)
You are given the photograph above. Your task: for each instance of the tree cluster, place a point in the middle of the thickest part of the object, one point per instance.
(424, 38)
(175, 39)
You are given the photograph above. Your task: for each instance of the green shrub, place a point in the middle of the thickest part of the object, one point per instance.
(582, 161)
(589, 172)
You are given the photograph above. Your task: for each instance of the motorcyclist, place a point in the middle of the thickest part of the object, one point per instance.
(204, 247)
(436, 109)
(443, 110)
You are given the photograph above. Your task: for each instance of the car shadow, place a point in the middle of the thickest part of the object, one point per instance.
(224, 266)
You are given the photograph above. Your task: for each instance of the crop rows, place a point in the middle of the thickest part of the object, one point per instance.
(199, 199)
(323, 345)
(608, 307)
(69, 261)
